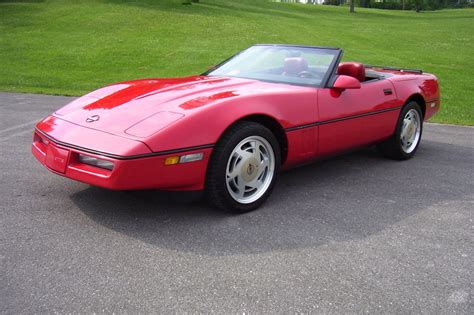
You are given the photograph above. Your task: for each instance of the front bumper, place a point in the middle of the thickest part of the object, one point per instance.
(148, 172)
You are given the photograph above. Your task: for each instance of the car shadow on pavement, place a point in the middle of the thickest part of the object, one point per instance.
(345, 198)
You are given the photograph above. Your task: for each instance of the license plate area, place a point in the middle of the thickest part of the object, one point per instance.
(57, 158)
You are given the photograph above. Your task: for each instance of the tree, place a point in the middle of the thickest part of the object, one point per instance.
(352, 6)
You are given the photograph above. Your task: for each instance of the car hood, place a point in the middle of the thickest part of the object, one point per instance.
(143, 107)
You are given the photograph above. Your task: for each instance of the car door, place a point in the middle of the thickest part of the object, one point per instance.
(356, 117)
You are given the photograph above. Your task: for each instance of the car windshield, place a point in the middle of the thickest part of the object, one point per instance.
(282, 64)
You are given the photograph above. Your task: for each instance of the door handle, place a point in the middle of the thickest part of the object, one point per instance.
(387, 91)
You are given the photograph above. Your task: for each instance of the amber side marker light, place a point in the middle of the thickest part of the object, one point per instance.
(172, 160)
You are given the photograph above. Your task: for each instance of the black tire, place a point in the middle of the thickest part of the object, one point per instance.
(392, 148)
(217, 192)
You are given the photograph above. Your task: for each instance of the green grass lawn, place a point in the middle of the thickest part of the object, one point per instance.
(71, 47)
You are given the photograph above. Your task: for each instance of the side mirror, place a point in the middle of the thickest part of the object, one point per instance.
(346, 82)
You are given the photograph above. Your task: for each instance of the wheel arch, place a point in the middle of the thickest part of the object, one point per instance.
(273, 125)
(419, 99)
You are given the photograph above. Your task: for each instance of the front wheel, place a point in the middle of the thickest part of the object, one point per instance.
(243, 168)
(406, 139)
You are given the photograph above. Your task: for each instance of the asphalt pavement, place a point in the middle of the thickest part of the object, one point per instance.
(355, 233)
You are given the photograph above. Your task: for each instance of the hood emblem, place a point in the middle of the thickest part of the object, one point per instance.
(92, 118)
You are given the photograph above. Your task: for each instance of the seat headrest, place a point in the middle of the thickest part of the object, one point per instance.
(353, 69)
(295, 65)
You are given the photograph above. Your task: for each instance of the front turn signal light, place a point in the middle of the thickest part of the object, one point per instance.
(172, 160)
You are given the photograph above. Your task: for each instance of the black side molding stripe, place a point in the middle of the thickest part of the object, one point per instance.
(318, 123)
(121, 157)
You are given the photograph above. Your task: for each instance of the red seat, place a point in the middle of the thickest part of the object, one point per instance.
(295, 65)
(352, 69)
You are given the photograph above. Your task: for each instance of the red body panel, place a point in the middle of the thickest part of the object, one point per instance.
(344, 134)
(131, 174)
(138, 124)
(425, 85)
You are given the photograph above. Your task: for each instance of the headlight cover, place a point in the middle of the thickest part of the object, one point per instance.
(152, 124)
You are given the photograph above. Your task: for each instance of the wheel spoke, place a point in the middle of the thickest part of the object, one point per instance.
(241, 187)
(235, 172)
(413, 135)
(257, 181)
(242, 154)
(253, 147)
(404, 143)
(404, 130)
(406, 125)
(255, 184)
(257, 153)
(263, 166)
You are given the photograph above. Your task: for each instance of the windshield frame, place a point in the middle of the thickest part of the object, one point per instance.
(325, 82)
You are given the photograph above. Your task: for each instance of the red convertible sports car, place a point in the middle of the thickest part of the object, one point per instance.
(230, 130)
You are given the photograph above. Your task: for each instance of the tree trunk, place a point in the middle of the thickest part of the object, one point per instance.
(352, 6)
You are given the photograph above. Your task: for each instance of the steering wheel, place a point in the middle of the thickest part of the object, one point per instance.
(305, 74)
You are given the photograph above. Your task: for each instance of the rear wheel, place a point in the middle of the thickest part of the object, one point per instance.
(406, 139)
(243, 168)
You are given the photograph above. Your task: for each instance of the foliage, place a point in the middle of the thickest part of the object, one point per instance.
(71, 47)
(333, 2)
(425, 5)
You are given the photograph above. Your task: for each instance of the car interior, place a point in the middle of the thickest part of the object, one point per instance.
(358, 71)
(299, 67)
